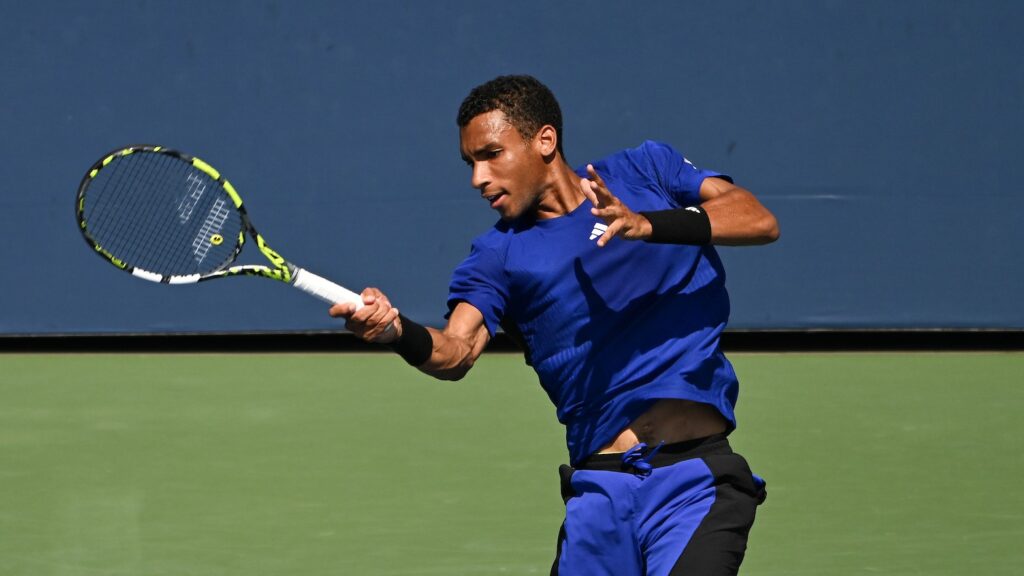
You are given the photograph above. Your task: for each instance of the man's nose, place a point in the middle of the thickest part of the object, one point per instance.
(480, 178)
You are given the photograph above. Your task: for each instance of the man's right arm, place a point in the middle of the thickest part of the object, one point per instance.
(456, 348)
(453, 350)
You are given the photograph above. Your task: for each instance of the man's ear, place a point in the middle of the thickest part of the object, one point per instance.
(546, 140)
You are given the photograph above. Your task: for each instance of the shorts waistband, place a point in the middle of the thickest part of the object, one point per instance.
(665, 455)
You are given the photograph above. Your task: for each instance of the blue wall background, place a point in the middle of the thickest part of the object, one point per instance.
(885, 136)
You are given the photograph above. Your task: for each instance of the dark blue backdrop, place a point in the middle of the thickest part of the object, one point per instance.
(883, 134)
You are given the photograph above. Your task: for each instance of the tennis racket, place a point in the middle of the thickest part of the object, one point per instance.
(168, 217)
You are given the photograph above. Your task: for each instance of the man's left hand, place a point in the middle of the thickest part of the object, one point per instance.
(621, 221)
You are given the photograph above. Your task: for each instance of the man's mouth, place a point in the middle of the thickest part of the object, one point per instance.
(493, 199)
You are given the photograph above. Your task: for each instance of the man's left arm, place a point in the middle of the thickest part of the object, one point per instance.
(727, 215)
(737, 217)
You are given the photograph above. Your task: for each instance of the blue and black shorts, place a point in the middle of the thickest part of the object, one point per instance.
(683, 508)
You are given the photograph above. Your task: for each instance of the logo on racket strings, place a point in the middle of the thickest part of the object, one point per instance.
(195, 187)
(209, 234)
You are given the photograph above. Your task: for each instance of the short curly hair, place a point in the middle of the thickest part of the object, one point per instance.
(527, 103)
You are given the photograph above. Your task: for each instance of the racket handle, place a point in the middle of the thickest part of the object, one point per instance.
(324, 289)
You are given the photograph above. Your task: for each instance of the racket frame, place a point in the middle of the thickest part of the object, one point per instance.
(280, 269)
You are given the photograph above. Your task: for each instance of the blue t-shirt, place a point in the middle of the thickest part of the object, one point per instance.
(608, 330)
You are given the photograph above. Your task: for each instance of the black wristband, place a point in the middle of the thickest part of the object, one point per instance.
(416, 344)
(689, 225)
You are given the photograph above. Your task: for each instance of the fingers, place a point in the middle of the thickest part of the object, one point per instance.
(610, 233)
(342, 310)
(379, 315)
(585, 187)
(595, 176)
(376, 321)
(600, 189)
(606, 206)
(622, 222)
(371, 295)
(596, 190)
(383, 326)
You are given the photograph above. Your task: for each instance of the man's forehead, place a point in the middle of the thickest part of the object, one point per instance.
(489, 126)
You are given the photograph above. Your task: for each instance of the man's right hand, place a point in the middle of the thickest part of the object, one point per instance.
(377, 321)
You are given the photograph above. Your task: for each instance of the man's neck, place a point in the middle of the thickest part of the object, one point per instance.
(562, 194)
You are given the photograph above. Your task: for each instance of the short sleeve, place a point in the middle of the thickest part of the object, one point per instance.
(480, 281)
(676, 175)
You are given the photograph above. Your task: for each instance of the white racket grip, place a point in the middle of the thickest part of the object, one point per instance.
(324, 289)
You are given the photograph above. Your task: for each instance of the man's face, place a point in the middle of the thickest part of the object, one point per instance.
(507, 169)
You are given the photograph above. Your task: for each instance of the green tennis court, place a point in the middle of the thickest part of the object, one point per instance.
(221, 464)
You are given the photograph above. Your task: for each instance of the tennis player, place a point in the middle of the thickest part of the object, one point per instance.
(608, 277)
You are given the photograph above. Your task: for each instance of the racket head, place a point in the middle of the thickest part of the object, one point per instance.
(161, 214)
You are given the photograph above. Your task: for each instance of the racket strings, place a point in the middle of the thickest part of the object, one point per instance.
(156, 212)
(113, 203)
(176, 171)
(100, 209)
(140, 172)
(128, 214)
